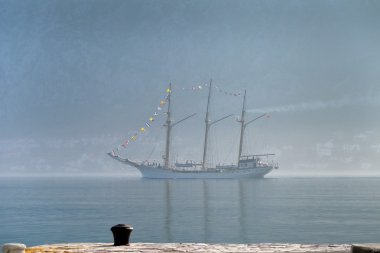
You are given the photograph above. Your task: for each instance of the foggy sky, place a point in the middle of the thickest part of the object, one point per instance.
(78, 77)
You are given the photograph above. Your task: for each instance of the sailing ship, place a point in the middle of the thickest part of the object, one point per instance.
(248, 166)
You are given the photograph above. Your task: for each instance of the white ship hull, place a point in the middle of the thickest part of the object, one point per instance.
(226, 172)
(162, 173)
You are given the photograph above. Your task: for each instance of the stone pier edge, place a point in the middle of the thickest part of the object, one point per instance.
(191, 247)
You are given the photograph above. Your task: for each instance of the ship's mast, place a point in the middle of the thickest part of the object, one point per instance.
(207, 122)
(168, 130)
(169, 125)
(242, 128)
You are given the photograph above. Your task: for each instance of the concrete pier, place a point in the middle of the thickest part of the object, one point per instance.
(190, 247)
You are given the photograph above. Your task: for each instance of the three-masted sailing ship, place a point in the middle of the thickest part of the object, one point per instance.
(248, 166)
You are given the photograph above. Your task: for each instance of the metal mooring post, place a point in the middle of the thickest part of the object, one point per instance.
(121, 233)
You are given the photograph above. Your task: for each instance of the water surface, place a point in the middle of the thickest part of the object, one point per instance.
(82, 209)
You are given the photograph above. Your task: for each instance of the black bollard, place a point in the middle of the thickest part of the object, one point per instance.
(121, 233)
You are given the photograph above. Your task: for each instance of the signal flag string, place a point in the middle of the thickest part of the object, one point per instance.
(158, 112)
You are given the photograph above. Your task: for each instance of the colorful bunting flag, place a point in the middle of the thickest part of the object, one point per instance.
(162, 103)
(125, 144)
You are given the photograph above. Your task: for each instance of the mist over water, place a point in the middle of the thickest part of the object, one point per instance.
(78, 78)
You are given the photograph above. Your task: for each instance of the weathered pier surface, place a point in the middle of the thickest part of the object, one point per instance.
(190, 247)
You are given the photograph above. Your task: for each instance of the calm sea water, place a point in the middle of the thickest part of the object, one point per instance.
(321, 210)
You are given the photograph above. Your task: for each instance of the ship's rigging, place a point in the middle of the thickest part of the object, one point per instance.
(247, 165)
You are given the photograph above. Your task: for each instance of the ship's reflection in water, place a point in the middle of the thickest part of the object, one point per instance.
(202, 211)
(209, 211)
